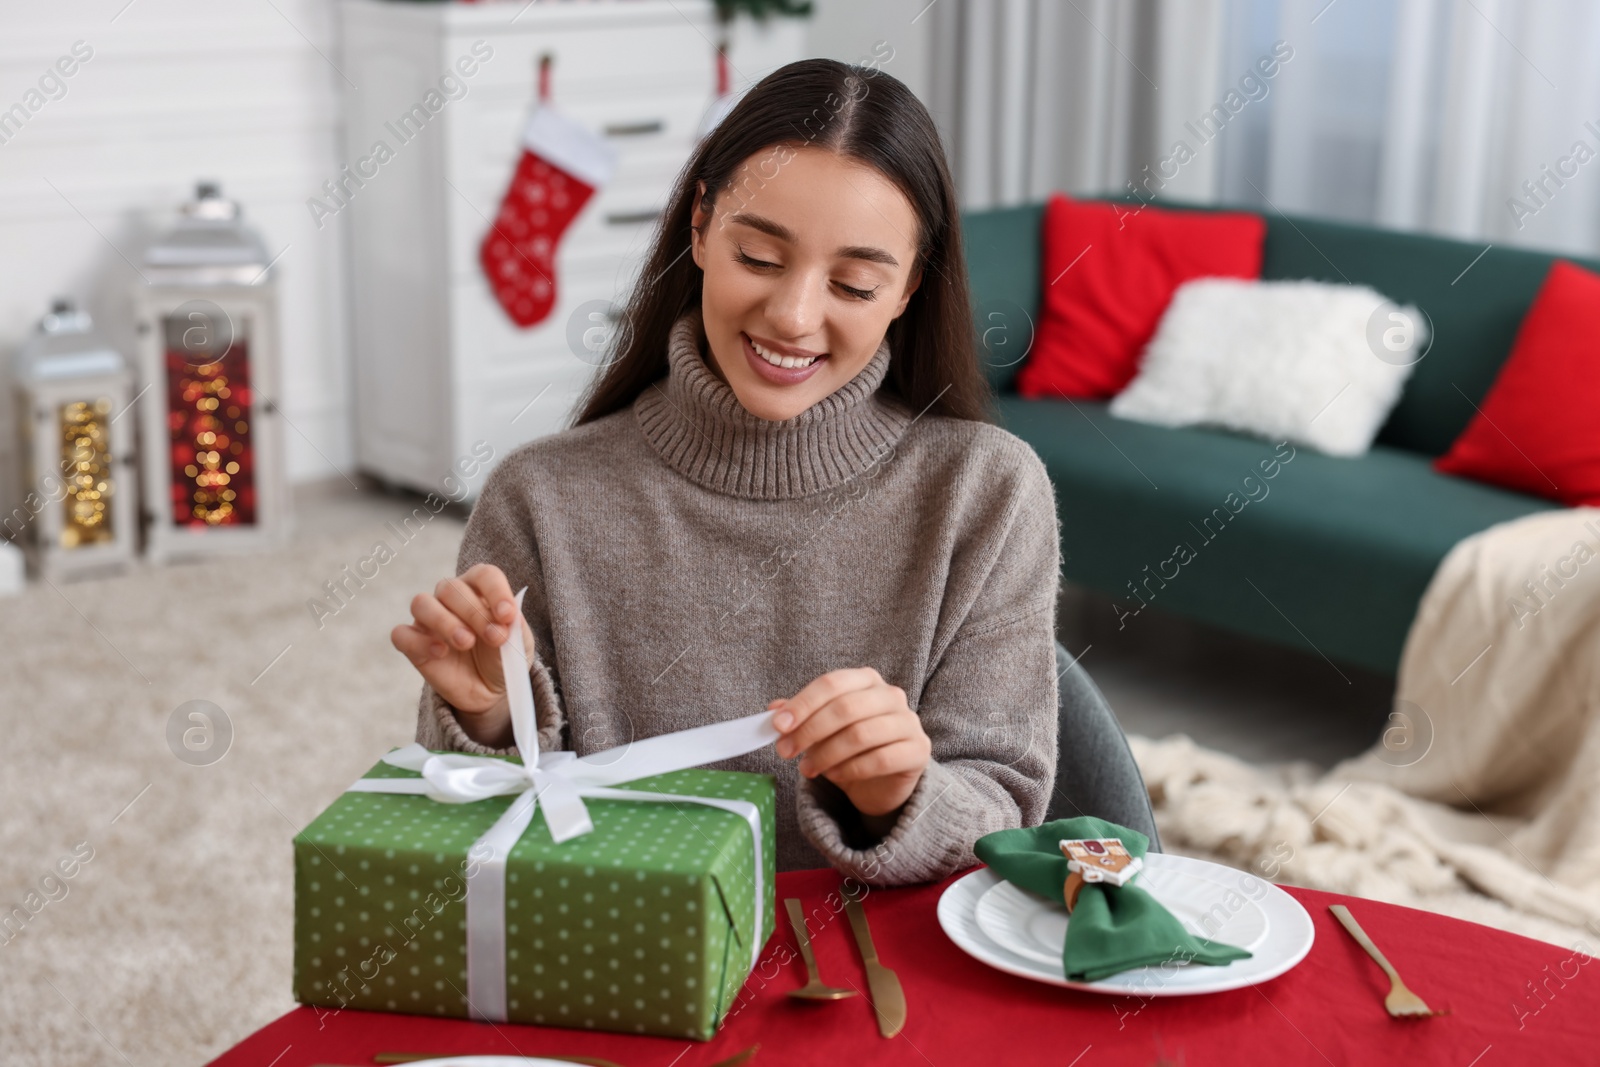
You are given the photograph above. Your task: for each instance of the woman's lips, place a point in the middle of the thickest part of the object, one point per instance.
(777, 375)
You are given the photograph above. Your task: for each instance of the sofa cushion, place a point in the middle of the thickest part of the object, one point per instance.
(1474, 298)
(1108, 274)
(1538, 430)
(1474, 303)
(1328, 554)
(1278, 360)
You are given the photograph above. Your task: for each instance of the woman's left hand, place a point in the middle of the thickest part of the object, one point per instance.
(857, 731)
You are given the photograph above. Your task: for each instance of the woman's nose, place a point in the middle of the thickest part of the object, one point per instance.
(795, 309)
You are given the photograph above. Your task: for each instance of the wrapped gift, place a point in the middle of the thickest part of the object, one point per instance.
(627, 890)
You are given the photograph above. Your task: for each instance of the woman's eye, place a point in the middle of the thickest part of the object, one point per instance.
(741, 256)
(751, 262)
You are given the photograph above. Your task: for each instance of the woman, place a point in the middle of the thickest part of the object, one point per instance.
(784, 492)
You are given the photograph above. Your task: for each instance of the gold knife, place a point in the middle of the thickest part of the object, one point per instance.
(888, 999)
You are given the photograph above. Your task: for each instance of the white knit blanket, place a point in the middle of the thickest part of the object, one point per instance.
(1483, 797)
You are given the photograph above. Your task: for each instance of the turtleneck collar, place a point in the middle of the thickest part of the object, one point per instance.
(696, 424)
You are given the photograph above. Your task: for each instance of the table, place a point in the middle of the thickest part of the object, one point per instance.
(1512, 1001)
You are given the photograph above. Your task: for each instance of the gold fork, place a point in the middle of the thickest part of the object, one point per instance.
(1400, 1001)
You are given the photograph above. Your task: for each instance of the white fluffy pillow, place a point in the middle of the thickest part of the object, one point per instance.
(1290, 360)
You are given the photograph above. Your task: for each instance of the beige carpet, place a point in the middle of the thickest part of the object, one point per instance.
(173, 942)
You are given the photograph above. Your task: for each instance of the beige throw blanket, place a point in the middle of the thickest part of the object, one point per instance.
(1483, 797)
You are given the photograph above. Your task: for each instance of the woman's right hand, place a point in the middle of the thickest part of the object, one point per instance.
(454, 642)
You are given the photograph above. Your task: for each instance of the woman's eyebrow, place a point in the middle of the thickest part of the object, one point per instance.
(783, 233)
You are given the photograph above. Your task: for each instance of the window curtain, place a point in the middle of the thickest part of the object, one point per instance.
(1034, 96)
(1476, 119)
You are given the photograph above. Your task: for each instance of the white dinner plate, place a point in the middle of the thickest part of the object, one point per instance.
(491, 1061)
(1030, 926)
(1021, 933)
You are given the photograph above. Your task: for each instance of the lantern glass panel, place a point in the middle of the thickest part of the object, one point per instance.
(85, 437)
(209, 401)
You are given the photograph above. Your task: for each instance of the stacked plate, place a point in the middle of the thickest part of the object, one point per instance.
(1022, 933)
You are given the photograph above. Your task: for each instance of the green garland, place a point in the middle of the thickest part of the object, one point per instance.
(728, 9)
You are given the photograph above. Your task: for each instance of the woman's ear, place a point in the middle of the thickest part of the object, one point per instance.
(698, 217)
(905, 298)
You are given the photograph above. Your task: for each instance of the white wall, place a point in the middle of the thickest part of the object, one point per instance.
(849, 30)
(177, 90)
(248, 94)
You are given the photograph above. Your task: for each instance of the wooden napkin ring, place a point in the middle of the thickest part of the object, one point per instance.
(1102, 860)
(1070, 890)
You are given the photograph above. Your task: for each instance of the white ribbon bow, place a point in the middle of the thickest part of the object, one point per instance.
(557, 782)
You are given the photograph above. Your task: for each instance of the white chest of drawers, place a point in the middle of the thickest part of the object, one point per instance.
(442, 375)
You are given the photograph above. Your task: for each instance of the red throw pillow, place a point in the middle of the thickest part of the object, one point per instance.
(1538, 430)
(1109, 272)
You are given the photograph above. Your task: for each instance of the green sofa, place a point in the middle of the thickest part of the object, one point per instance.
(1335, 557)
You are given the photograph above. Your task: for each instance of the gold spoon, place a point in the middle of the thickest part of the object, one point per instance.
(813, 989)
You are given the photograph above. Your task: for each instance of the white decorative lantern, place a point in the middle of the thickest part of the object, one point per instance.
(212, 453)
(72, 392)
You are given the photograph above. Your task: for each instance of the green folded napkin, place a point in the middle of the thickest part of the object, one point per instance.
(1112, 928)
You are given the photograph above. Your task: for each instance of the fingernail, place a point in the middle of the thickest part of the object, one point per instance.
(783, 720)
(463, 635)
(504, 609)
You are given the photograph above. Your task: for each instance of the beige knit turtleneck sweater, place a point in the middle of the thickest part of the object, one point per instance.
(687, 561)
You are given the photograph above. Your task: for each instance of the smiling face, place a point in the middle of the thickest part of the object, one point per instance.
(804, 271)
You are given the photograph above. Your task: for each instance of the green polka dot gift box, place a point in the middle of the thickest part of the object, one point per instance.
(647, 923)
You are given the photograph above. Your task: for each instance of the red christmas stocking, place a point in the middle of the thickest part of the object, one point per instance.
(563, 163)
(723, 102)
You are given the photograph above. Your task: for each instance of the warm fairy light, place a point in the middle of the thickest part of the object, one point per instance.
(86, 462)
(212, 462)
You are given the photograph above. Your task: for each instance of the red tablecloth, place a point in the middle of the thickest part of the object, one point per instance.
(1512, 1001)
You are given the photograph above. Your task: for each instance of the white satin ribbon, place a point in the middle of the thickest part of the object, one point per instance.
(557, 783)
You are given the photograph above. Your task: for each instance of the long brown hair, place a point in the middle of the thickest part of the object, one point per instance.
(868, 117)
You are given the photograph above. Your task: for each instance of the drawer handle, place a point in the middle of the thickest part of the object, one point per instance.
(630, 218)
(634, 129)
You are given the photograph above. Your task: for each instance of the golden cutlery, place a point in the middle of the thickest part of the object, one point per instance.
(814, 989)
(592, 1061)
(888, 999)
(1401, 1001)
(414, 1057)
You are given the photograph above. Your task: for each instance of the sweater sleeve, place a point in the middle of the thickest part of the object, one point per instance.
(500, 530)
(989, 707)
